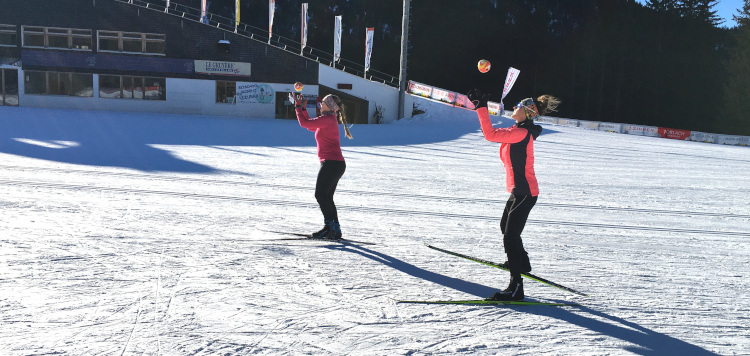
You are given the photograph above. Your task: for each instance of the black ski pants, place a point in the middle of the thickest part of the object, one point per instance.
(516, 213)
(328, 178)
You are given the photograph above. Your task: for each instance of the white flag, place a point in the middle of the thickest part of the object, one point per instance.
(510, 79)
(368, 47)
(337, 40)
(271, 8)
(304, 26)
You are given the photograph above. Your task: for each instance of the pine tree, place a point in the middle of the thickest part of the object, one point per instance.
(736, 111)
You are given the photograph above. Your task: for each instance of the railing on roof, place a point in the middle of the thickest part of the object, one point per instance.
(260, 35)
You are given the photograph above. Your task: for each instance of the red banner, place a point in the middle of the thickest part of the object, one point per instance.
(675, 134)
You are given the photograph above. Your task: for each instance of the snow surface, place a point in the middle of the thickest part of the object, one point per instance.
(129, 233)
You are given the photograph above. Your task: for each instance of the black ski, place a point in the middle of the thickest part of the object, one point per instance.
(309, 237)
(489, 302)
(497, 265)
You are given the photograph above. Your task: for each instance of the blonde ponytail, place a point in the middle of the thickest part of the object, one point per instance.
(342, 116)
(547, 104)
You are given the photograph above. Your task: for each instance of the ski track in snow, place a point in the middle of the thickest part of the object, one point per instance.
(103, 254)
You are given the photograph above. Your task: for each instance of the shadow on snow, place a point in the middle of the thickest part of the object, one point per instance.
(129, 140)
(645, 341)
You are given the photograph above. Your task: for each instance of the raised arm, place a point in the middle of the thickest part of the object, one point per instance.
(504, 135)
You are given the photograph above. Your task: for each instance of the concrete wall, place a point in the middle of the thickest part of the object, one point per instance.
(377, 94)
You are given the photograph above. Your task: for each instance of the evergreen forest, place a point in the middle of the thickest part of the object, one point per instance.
(669, 63)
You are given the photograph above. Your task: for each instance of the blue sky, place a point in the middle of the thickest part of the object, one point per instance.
(726, 9)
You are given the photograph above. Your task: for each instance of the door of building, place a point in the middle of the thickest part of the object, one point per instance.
(9, 87)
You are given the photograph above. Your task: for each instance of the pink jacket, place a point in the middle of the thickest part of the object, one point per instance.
(516, 152)
(327, 134)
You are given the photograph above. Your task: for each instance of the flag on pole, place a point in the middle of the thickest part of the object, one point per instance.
(337, 39)
(510, 79)
(304, 26)
(237, 14)
(368, 47)
(204, 19)
(271, 8)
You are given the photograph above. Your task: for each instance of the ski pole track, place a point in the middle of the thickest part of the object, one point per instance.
(400, 212)
(360, 192)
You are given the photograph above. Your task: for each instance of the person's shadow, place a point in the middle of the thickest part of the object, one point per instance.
(132, 140)
(646, 341)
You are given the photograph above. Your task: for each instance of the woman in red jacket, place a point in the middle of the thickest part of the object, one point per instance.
(332, 164)
(517, 154)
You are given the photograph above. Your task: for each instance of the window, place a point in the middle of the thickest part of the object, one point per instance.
(58, 38)
(131, 42)
(59, 83)
(225, 91)
(8, 37)
(128, 87)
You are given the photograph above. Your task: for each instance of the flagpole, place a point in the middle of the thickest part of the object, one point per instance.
(404, 50)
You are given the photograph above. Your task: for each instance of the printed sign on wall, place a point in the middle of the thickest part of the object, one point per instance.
(222, 68)
(255, 93)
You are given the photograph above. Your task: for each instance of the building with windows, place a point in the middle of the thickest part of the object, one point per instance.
(131, 55)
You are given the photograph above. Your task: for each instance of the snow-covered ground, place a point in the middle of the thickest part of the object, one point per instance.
(125, 233)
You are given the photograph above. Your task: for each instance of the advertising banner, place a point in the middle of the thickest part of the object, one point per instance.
(255, 93)
(223, 68)
(368, 46)
(675, 134)
(494, 108)
(464, 102)
(610, 127)
(204, 12)
(702, 137)
(304, 26)
(271, 9)
(237, 15)
(420, 89)
(443, 95)
(510, 79)
(337, 39)
(733, 140)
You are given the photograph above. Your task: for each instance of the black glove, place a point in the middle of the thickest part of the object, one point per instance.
(296, 98)
(478, 98)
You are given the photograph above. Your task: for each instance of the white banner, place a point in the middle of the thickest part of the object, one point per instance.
(222, 68)
(510, 79)
(443, 95)
(610, 127)
(420, 89)
(368, 47)
(337, 39)
(271, 9)
(493, 108)
(304, 26)
(702, 137)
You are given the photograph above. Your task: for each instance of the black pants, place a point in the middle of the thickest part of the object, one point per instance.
(328, 178)
(516, 213)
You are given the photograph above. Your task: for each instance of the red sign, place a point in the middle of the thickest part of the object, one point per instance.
(675, 134)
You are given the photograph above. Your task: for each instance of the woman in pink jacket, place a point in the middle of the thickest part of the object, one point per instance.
(517, 154)
(332, 164)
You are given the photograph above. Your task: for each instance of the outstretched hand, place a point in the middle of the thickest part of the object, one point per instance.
(478, 98)
(297, 100)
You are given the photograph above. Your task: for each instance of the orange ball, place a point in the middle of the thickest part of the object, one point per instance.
(484, 65)
(298, 86)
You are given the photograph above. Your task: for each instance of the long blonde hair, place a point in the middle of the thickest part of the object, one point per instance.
(547, 104)
(340, 114)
